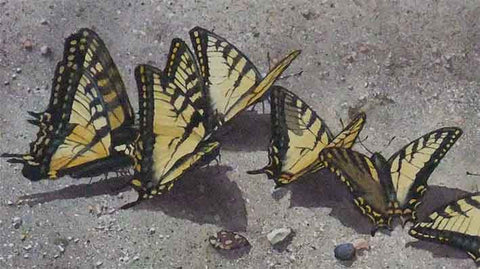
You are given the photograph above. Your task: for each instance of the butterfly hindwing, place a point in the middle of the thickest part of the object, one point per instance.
(232, 81)
(411, 166)
(360, 175)
(456, 224)
(172, 134)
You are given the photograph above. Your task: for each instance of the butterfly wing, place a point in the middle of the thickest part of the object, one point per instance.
(182, 70)
(172, 133)
(232, 81)
(88, 114)
(457, 225)
(362, 178)
(298, 136)
(411, 166)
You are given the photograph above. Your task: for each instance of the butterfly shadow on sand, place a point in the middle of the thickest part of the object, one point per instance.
(435, 198)
(203, 195)
(111, 186)
(249, 131)
(323, 189)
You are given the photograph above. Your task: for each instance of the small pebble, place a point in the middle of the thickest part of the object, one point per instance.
(18, 70)
(45, 50)
(98, 264)
(136, 258)
(26, 256)
(27, 248)
(76, 240)
(17, 222)
(61, 248)
(360, 244)
(345, 252)
(56, 256)
(14, 76)
(6, 83)
(151, 230)
(43, 22)
(27, 44)
(69, 238)
(278, 235)
(9, 202)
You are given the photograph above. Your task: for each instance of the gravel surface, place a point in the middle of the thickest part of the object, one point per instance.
(412, 66)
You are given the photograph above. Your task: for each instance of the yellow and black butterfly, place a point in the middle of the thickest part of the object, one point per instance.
(174, 130)
(456, 224)
(231, 81)
(298, 136)
(88, 124)
(383, 189)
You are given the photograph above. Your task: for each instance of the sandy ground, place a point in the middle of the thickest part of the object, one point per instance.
(412, 66)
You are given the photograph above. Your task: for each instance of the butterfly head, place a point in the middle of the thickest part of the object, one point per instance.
(378, 160)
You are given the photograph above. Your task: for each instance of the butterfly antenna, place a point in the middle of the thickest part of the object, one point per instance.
(342, 123)
(269, 61)
(391, 140)
(361, 143)
(299, 73)
(473, 174)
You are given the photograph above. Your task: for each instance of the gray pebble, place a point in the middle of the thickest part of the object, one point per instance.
(45, 50)
(17, 222)
(345, 252)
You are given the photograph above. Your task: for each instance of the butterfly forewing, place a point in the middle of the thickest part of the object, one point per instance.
(457, 225)
(232, 81)
(182, 70)
(88, 52)
(411, 166)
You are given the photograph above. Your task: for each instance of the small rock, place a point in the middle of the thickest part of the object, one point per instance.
(151, 231)
(278, 235)
(350, 88)
(27, 248)
(120, 195)
(360, 244)
(61, 249)
(9, 202)
(26, 256)
(14, 76)
(43, 22)
(6, 83)
(17, 222)
(23, 236)
(98, 264)
(135, 258)
(27, 44)
(56, 256)
(18, 70)
(345, 252)
(45, 50)
(76, 240)
(69, 238)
